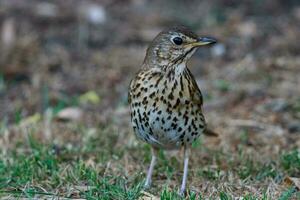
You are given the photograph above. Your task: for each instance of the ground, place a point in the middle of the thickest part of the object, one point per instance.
(65, 131)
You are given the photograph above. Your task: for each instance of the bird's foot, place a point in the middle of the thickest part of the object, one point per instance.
(182, 192)
(147, 184)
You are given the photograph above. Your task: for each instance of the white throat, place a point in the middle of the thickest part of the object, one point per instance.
(180, 68)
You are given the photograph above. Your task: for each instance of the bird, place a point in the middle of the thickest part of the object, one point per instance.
(164, 98)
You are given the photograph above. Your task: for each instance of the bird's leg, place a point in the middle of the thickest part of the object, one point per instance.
(150, 170)
(185, 170)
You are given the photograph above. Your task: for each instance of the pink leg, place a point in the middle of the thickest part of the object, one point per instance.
(185, 170)
(150, 170)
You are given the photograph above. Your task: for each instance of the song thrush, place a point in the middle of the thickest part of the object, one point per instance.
(165, 101)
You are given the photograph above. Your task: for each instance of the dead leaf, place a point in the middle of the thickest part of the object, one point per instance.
(148, 196)
(33, 119)
(292, 181)
(70, 114)
(8, 35)
(247, 29)
(89, 97)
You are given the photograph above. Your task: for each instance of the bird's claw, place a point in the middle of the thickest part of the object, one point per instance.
(147, 185)
(182, 192)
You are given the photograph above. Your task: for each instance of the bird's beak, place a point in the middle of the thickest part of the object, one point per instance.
(204, 41)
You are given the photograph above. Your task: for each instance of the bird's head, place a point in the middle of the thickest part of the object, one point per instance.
(174, 46)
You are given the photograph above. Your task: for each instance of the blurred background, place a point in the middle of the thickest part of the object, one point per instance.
(65, 68)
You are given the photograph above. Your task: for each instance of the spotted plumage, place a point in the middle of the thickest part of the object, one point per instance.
(165, 101)
(168, 115)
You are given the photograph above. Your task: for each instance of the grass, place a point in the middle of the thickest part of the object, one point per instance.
(44, 169)
(100, 165)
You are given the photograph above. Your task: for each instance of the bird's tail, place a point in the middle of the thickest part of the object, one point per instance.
(210, 133)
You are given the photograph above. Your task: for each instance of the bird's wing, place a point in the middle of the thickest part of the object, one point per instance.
(131, 86)
(129, 91)
(196, 95)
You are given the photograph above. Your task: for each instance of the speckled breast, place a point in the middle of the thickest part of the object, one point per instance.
(166, 109)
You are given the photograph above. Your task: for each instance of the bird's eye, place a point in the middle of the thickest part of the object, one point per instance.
(177, 40)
